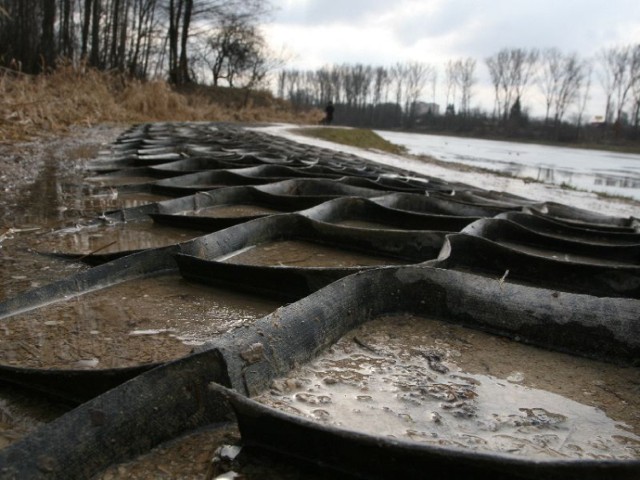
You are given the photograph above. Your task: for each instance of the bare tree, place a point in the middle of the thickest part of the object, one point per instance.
(465, 79)
(511, 73)
(417, 76)
(433, 82)
(561, 80)
(144, 25)
(523, 68)
(584, 94)
(451, 83)
(398, 75)
(572, 76)
(47, 48)
(635, 87)
(550, 77)
(497, 65)
(618, 75)
(66, 37)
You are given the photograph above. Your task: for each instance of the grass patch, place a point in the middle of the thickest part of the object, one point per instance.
(567, 186)
(355, 137)
(615, 196)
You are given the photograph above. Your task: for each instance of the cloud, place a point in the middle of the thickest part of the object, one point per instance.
(314, 47)
(474, 28)
(328, 12)
(383, 32)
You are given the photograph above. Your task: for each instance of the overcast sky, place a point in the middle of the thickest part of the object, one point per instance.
(382, 32)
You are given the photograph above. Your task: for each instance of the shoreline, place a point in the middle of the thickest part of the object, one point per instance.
(488, 180)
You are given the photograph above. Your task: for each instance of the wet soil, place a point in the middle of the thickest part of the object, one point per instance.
(114, 180)
(42, 183)
(562, 255)
(110, 238)
(296, 253)
(187, 457)
(367, 225)
(209, 453)
(42, 190)
(143, 321)
(22, 412)
(230, 211)
(23, 269)
(436, 383)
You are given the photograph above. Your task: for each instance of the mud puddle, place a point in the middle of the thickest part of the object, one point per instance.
(23, 269)
(112, 238)
(100, 201)
(367, 225)
(117, 180)
(296, 253)
(230, 211)
(563, 255)
(143, 321)
(435, 383)
(43, 190)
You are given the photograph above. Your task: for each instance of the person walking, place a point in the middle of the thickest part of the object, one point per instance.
(328, 114)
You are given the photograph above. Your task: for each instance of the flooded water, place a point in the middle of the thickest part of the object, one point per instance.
(367, 225)
(26, 263)
(564, 256)
(120, 237)
(592, 170)
(23, 269)
(295, 253)
(57, 198)
(117, 180)
(416, 384)
(235, 210)
(142, 321)
(440, 384)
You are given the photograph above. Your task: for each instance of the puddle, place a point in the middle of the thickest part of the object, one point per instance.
(440, 384)
(563, 256)
(230, 211)
(112, 238)
(98, 202)
(367, 225)
(142, 321)
(113, 181)
(22, 269)
(295, 253)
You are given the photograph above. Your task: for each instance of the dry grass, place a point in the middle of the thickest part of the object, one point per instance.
(32, 106)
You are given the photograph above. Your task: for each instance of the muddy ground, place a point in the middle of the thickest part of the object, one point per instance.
(41, 191)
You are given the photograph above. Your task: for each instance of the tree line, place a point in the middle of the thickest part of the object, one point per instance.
(219, 42)
(212, 41)
(562, 83)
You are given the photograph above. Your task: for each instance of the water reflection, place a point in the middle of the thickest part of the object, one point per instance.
(136, 322)
(592, 170)
(120, 237)
(440, 384)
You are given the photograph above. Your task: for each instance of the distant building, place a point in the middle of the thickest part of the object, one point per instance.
(424, 108)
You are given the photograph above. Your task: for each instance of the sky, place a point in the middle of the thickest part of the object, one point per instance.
(315, 33)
